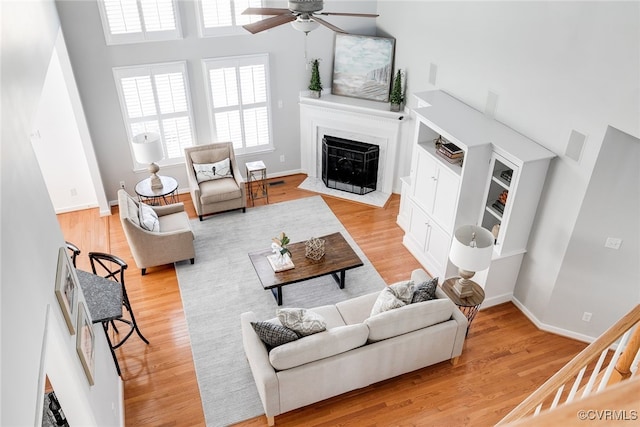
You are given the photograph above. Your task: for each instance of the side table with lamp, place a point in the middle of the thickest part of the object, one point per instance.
(147, 148)
(471, 251)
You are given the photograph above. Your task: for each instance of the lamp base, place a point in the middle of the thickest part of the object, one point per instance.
(156, 183)
(462, 289)
(463, 286)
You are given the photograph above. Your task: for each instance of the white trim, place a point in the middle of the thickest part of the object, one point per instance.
(234, 29)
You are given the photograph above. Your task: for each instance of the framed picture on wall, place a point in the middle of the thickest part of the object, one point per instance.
(363, 66)
(67, 288)
(85, 342)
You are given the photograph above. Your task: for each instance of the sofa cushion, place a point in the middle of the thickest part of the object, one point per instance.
(408, 318)
(358, 309)
(219, 190)
(273, 334)
(330, 314)
(178, 221)
(209, 171)
(149, 218)
(318, 346)
(302, 321)
(425, 291)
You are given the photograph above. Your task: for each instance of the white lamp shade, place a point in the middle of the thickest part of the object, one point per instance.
(304, 25)
(147, 147)
(468, 256)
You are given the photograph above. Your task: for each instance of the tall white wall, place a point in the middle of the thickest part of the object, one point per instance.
(34, 336)
(57, 144)
(556, 67)
(93, 62)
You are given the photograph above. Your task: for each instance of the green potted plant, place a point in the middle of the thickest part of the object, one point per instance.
(315, 85)
(397, 97)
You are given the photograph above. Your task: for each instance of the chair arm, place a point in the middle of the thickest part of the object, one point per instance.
(168, 209)
(264, 374)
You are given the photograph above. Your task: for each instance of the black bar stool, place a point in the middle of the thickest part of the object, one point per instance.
(112, 267)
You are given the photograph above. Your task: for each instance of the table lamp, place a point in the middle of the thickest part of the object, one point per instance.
(471, 251)
(147, 148)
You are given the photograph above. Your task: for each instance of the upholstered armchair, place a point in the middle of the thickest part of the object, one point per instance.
(215, 182)
(157, 235)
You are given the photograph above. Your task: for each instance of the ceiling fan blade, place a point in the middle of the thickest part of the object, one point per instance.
(265, 11)
(269, 23)
(361, 15)
(328, 25)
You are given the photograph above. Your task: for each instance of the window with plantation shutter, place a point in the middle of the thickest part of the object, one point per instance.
(239, 101)
(133, 21)
(155, 98)
(224, 17)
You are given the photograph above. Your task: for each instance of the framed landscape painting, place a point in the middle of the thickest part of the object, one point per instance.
(67, 288)
(363, 66)
(85, 342)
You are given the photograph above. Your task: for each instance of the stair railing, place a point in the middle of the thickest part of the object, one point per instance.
(589, 375)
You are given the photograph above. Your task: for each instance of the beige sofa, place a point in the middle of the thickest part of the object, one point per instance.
(172, 242)
(216, 195)
(355, 351)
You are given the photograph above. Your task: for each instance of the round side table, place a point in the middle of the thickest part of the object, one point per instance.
(469, 305)
(167, 194)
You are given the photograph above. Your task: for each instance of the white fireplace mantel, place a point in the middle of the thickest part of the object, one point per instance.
(350, 118)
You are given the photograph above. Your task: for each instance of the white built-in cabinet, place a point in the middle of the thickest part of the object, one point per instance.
(438, 196)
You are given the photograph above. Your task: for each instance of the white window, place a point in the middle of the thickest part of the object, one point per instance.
(239, 100)
(133, 21)
(155, 98)
(224, 17)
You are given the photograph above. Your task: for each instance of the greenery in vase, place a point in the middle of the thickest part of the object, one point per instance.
(315, 83)
(396, 96)
(280, 244)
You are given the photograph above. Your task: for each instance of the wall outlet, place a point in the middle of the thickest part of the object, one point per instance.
(122, 184)
(73, 192)
(282, 158)
(613, 243)
(586, 317)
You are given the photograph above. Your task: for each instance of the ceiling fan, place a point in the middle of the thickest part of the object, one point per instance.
(303, 15)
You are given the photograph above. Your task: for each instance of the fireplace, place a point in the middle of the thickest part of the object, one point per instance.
(349, 165)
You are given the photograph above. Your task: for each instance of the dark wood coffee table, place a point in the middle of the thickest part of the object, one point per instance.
(338, 258)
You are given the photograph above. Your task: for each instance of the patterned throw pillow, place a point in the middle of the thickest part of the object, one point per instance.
(304, 322)
(209, 171)
(272, 334)
(425, 291)
(148, 218)
(403, 290)
(387, 300)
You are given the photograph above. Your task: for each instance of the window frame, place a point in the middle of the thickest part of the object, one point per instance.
(229, 30)
(143, 35)
(236, 62)
(156, 68)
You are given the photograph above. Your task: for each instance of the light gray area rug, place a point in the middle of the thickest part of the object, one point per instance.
(222, 284)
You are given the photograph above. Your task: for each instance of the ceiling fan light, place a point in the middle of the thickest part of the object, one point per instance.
(305, 25)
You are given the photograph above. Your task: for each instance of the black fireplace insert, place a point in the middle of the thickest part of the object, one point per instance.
(349, 165)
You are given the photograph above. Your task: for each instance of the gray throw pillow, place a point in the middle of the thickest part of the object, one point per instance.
(403, 290)
(425, 291)
(304, 322)
(272, 334)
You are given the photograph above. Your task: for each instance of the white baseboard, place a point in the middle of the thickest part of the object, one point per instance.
(498, 299)
(550, 328)
(76, 208)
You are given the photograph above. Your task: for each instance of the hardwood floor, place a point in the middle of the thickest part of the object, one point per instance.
(505, 356)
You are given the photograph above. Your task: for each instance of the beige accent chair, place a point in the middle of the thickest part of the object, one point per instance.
(217, 195)
(173, 242)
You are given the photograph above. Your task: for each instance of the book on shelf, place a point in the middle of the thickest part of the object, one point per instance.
(447, 158)
(451, 156)
(278, 266)
(506, 175)
(451, 148)
(497, 205)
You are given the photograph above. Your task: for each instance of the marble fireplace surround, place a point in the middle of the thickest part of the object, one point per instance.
(355, 119)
